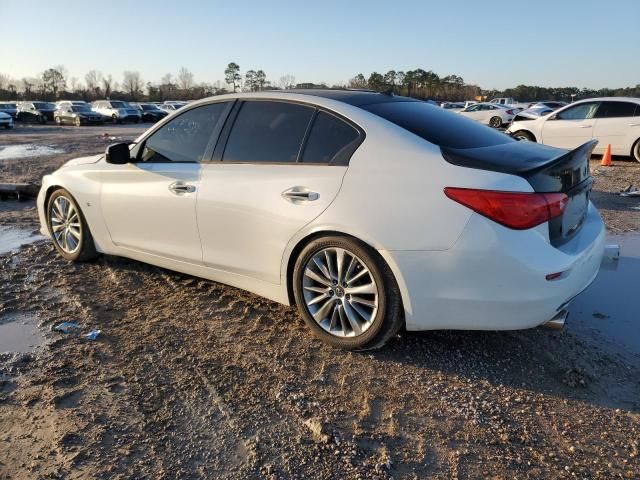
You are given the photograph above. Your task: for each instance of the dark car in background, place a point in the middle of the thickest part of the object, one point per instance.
(150, 112)
(78, 115)
(10, 108)
(36, 112)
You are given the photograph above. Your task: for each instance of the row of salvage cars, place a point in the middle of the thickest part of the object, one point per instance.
(78, 112)
(612, 121)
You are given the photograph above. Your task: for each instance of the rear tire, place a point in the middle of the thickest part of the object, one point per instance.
(378, 315)
(68, 228)
(635, 151)
(495, 122)
(524, 136)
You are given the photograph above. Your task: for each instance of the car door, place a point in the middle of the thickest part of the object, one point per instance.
(150, 205)
(267, 182)
(617, 123)
(570, 127)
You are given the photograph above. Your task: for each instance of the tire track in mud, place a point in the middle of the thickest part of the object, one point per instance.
(195, 379)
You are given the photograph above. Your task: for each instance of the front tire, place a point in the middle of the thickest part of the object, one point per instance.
(495, 122)
(68, 228)
(77, 122)
(635, 151)
(346, 293)
(524, 136)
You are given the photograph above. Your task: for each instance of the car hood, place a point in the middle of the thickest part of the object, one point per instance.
(4, 115)
(83, 160)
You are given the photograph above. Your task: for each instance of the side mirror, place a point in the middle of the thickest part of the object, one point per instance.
(118, 154)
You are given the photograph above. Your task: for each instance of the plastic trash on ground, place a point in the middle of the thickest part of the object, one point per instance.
(66, 327)
(93, 334)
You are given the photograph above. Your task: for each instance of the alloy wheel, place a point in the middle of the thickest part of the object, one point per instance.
(65, 224)
(340, 292)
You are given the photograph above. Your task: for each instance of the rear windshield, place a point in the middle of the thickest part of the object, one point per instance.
(437, 125)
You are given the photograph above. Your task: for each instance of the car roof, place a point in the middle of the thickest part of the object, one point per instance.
(356, 98)
(608, 99)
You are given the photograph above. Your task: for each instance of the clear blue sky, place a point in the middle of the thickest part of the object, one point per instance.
(494, 44)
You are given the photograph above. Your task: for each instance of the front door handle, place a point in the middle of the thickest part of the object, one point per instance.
(300, 194)
(634, 124)
(586, 126)
(180, 188)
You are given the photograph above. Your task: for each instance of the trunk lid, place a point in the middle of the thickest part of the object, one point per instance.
(547, 169)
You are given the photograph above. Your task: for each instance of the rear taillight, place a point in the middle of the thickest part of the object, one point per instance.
(517, 210)
(510, 112)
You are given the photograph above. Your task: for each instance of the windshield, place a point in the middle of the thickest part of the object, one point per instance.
(438, 126)
(149, 107)
(7, 105)
(118, 105)
(80, 108)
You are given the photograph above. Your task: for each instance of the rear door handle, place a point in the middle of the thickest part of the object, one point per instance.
(634, 124)
(180, 188)
(300, 194)
(586, 126)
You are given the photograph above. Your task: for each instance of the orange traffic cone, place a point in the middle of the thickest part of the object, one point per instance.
(606, 158)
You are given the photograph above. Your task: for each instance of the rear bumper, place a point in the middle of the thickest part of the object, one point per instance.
(493, 278)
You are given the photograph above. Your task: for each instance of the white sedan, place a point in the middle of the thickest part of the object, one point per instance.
(368, 211)
(490, 114)
(612, 121)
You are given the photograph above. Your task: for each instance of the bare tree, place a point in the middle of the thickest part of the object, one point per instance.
(132, 84)
(287, 81)
(92, 80)
(185, 79)
(53, 81)
(107, 83)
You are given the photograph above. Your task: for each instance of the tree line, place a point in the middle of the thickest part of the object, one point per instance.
(55, 83)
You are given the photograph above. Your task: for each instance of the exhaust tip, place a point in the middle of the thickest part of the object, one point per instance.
(557, 322)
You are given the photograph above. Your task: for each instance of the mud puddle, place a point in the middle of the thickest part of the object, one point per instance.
(13, 238)
(10, 152)
(609, 310)
(19, 333)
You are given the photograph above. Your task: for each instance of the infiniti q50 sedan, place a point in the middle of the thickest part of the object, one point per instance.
(368, 211)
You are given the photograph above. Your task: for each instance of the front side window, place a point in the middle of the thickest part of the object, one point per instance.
(329, 138)
(617, 110)
(186, 137)
(579, 112)
(267, 132)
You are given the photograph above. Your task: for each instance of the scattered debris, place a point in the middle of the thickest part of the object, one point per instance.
(600, 316)
(93, 334)
(66, 327)
(106, 136)
(630, 191)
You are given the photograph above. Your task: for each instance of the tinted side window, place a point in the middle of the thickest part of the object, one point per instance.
(267, 132)
(579, 112)
(185, 138)
(616, 110)
(328, 139)
(437, 125)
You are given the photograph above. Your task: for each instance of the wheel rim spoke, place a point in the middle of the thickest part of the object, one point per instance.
(65, 224)
(311, 274)
(369, 288)
(340, 292)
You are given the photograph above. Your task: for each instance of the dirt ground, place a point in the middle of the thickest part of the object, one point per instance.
(193, 379)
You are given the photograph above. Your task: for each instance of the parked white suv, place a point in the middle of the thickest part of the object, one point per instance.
(612, 121)
(117, 110)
